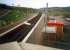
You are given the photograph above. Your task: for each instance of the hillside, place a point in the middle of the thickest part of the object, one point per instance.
(58, 11)
(9, 14)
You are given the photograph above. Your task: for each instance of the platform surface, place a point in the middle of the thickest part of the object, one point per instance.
(29, 46)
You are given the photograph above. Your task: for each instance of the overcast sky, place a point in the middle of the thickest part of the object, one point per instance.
(37, 3)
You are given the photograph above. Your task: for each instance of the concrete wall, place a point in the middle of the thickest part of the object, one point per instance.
(36, 36)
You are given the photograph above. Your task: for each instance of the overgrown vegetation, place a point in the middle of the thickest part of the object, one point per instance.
(10, 14)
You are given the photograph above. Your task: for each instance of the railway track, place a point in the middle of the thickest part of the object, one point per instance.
(7, 27)
(20, 32)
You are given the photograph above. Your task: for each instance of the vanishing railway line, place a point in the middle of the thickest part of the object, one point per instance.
(20, 32)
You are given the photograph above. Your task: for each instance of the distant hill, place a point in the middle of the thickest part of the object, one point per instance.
(64, 11)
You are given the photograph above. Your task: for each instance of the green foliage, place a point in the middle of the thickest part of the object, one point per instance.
(15, 14)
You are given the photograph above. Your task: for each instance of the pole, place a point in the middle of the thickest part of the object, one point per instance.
(46, 16)
(47, 13)
(46, 19)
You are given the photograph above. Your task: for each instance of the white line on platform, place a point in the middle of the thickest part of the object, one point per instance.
(28, 35)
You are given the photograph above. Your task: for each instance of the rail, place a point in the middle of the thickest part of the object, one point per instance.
(19, 32)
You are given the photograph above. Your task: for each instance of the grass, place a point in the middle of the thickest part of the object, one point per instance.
(15, 14)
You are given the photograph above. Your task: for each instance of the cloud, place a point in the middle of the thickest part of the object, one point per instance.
(37, 3)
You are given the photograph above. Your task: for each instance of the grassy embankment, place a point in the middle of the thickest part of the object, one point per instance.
(10, 15)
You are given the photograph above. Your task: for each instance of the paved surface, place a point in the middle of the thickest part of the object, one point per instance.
(24, 46)
(28, 46)
(10, 46)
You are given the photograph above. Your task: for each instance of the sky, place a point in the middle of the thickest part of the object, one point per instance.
(37, 3)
